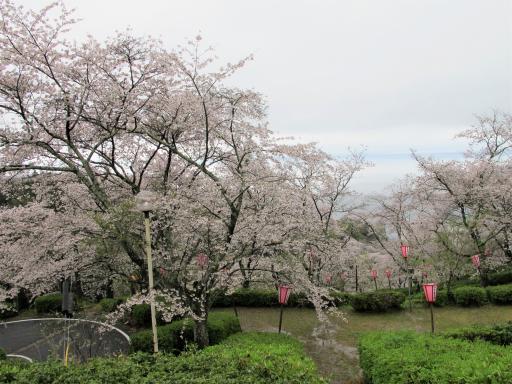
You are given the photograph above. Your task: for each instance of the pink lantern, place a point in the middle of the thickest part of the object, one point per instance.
(405, 250)
(430, 291)
(388, 273)
(202, 260)
(475, 259)
(284, 294)
(374, 274)
(328, 279)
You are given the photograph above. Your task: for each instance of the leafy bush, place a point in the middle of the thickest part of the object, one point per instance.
(378, 301)
(174, 337)
(49, 303)
(441, 299)
(243, 358)
(497, 334)
(3, 355)
(109, 305)
(498, 278)
(408, 357)
(140, 316)
(500, 294)
(7, 312)
(470, 296)
(269, 298)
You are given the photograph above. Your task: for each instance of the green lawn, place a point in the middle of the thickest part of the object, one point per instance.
(334, 348)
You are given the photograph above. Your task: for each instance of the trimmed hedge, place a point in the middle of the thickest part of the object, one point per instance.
(49, 303)
(174, 337)
(499, 278)
(497, 334)
(249, 297)
(408, 357)
(470, 296)
(244, 358)
(500, 294)
(109, 305)
(140, 316)
(378, 301)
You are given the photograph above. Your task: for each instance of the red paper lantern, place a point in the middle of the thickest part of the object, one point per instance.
(374, 274)
(430, 291)
(202, 260)
(405, 250)
(284, 294)
(388, 273)
(476, 260)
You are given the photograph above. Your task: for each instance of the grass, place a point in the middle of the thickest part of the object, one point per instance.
(336, 353)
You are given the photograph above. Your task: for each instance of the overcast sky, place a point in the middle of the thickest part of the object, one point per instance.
(389, 75)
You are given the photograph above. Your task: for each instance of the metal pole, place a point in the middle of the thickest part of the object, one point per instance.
(150, 276)
(410, 282)
(281, 318)
(432, 316)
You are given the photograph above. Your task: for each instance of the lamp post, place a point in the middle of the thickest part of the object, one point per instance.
(284, 294)
(145, 202)
(430, 291)
(405, 254)
(374, 277)
(388, 275)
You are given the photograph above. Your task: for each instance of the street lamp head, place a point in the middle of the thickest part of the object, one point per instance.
(145, 201)
(430, 291)
(284, 294)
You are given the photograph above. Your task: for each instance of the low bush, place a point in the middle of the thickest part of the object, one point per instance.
(269, 298)
(243, 358)
(408, 357)
(174, 337)
(499, 278)
(378, 301)
(49, 303)
(109, 305)
(500, 334)
(441, 298)
(140, 316)
(500, 294)
(7, 312)
(470, 296)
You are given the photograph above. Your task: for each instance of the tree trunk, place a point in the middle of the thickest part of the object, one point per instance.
(201, 333)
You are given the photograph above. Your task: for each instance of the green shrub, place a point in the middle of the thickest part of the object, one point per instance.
(441, 298)
(500, 294)
(140, 316)
(249, 297)
(8, 312)
(408, 357)
(341, 298)
(3, 355)
(109, 305)
(174, 337)
(378, 301)
(470, 296)
(499, 278)
(243, 358)
(49, 303)
(500, 334)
